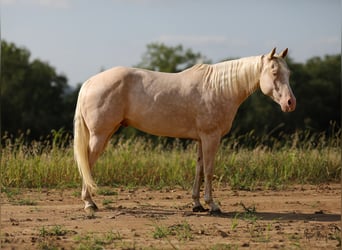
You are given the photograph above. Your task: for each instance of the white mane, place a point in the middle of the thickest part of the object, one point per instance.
(235, 77)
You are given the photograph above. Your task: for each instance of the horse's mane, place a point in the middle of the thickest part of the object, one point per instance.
(232, 77)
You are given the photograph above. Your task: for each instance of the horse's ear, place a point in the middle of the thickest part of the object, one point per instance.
(283, 53)
(271, 54)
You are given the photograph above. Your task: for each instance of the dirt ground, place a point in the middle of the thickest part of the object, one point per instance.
(300, 217)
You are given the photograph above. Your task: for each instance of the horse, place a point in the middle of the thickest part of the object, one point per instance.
(198, 103)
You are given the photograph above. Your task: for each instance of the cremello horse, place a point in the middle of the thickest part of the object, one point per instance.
(199, 103)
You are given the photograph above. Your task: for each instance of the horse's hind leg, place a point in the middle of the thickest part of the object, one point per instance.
(97, 144)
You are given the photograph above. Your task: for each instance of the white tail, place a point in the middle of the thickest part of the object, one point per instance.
(81, 143)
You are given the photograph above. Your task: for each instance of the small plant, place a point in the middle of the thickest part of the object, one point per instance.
(43, 232)
(183, 231)
(56, 230)
(26, 202)
(90, 241)
(106, 202)
(249, 212)
(107, 192)
(76, 193)
(10, 192)
(235, 222)
(161, 232)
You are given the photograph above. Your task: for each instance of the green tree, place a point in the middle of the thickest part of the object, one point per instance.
(163, 58)
(321, 91)
(32, 94)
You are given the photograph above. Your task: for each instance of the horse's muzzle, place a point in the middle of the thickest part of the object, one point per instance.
(289, 105)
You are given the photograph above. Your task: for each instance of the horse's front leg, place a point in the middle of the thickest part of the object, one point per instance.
(210, 145)
(198, 180)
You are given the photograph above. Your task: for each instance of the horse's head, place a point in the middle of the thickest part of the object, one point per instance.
(274, 80)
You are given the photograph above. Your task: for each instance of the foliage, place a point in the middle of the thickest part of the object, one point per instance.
(33, 95)
(160, 57)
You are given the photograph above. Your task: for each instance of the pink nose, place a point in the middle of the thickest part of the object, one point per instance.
(291, 104)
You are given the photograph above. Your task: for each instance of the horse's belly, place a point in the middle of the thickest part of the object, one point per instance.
(171, 126)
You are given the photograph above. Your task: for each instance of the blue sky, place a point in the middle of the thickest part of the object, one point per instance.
(79, 38)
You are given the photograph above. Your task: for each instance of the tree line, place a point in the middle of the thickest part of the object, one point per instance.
(36, 100)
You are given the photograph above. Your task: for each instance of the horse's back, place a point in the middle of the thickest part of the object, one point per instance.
(155, 102)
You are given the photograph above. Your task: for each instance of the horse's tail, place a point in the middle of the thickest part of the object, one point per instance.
(81, 144)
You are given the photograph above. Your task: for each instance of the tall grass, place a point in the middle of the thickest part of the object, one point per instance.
(243, 162)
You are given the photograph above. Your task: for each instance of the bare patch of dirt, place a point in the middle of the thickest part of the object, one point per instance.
(301, 217)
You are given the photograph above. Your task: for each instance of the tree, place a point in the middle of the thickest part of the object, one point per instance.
(32, 94)
(160, 57)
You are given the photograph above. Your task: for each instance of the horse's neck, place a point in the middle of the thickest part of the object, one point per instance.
(235, 79)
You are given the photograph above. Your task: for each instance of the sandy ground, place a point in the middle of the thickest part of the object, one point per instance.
(300, 217)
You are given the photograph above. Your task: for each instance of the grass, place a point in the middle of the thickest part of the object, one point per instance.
(243, 162)
(182, 231)
(99, 241)
(48, 237)
(56, 230)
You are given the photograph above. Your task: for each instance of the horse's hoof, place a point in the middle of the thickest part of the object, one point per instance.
(90, 211)
(216, 212)
(199, 209)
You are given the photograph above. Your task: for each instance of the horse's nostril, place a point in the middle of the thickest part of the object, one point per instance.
(289, 102)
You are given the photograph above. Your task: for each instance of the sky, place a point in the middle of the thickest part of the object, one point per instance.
(79, 38)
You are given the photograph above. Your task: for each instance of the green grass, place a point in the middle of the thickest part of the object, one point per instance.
(93, 241)
(243, 162)
(56, 230)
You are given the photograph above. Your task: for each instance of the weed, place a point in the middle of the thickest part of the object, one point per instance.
(248, 210)
(235, 222)
(47, 246)
(56, 230)
(183, 231)
(107, 192)
(10, 192)
(25, 202)
(161, 232)
(76, 193)
(106, 202)
(92, 241)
